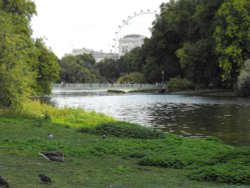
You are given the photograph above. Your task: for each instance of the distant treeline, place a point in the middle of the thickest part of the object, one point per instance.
(203, 41)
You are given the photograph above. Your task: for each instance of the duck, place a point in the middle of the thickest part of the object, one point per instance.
(52, 156)
(3, 182)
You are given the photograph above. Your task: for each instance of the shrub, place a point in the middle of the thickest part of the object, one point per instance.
(185, 153)
(230, 167)
(134, 77)
(243, 82)
(180, 84)
(124, 129)
(227, 173)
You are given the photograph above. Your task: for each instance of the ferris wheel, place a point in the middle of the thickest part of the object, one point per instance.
(126, 22)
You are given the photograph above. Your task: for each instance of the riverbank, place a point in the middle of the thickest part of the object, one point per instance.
(146, 159)
(207, 92)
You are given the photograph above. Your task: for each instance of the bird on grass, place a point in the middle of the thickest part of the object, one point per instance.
(50, 136)
(52, 156)
(3, 182)
(104, 136)
(44, 178)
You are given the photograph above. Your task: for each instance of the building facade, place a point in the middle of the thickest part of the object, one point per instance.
(98, 55)
(129, 42)
(126, 44)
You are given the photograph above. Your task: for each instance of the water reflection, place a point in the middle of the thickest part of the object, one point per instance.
(225, 118)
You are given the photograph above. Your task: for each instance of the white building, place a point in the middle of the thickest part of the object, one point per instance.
(126, 44)
(129, 42)
(98, 55)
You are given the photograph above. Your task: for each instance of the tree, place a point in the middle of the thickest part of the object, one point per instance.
(26, 67)
(109, 69)
(232, 37)
(168, 35)
(46, 68)
(197, 56)
(16, 77)
(78, 69)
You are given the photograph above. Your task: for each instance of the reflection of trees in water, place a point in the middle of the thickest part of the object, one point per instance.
(228, 122)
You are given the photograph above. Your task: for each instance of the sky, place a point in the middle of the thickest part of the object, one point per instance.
(73, 24)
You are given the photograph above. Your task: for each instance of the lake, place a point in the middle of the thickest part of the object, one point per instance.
(227, 118)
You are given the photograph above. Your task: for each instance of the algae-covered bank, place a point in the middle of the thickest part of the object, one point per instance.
(100, 151)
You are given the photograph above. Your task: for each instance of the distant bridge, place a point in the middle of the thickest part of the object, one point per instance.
(122, 88)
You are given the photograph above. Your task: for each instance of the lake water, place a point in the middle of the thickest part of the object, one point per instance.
(196, 116)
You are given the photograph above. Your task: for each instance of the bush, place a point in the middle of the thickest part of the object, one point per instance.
(243, 83)
(230, 167)
(180, 84)
(227, 173)
(134, 77)
(124, 129)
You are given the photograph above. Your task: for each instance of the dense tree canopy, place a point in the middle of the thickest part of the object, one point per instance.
(78, 69)
(46, 69)
(232, 35)
(204, 41)
(23, 62)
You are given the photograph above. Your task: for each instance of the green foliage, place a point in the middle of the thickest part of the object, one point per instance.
(243, 82)
(230, 167)
(26, 67)
(132, 61)
(180, 84)
(16, 76)
(202, 159)
(73, 117)
(232, 37)
(123, 129)
(109, 69)
(184, 153)
(20, 8)
(46, 68)
(197, 55)
(203, 41)
(78, 69)
(134, 77)
(198, 65)
(85, 165)
(169, 32)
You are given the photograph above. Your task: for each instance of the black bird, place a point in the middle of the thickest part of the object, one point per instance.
(44, 178)
(3, 182)
(52, 156)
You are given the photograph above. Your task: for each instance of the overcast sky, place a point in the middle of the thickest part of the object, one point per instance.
(69, 24)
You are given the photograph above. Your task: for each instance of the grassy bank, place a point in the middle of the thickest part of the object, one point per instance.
(129, 156)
